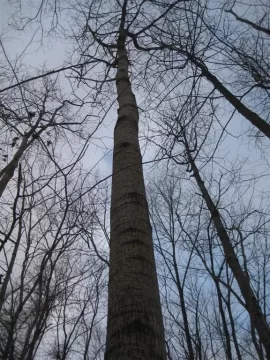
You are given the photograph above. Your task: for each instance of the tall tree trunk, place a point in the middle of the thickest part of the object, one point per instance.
(252, 305)
(135, 328)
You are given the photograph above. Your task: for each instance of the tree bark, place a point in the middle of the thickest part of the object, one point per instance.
(252, 305)
(135, 328)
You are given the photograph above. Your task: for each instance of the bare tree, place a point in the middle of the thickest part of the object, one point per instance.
(50, 272)
(183, 60)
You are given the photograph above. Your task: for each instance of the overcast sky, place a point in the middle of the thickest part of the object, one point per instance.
(54, 53)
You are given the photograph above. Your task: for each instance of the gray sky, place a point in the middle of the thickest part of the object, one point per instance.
(54, 54)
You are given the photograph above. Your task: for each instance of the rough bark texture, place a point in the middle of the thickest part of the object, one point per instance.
(135, 328)
(252, 305)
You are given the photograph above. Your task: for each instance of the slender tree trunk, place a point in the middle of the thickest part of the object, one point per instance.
(7, 275)
(228, 349)
(250, 23)
(135, 328)
(235, 341)
(226, 333)
(183, 306)
(7, 173)
(252, 305)
(251, 116)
